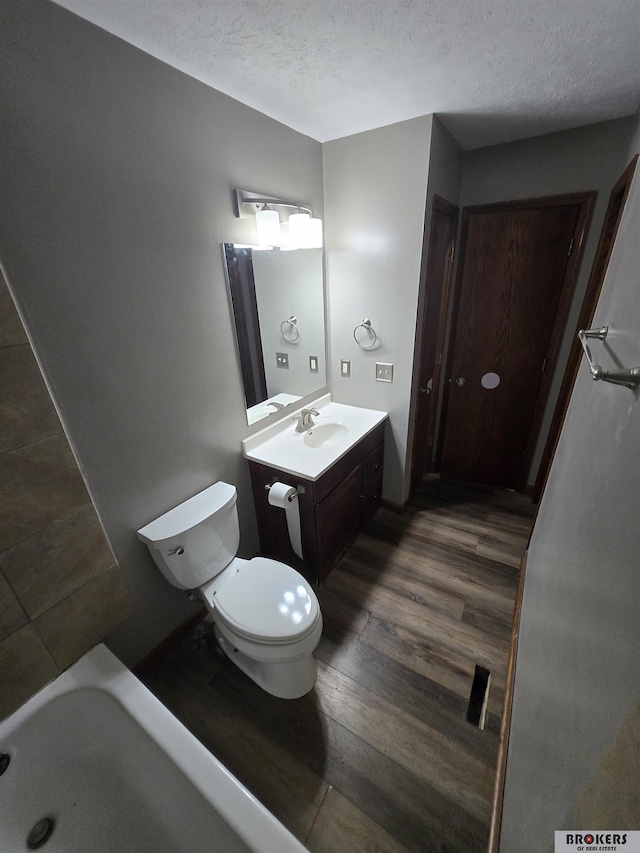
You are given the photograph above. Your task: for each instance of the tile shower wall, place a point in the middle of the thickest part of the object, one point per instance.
(60, 589)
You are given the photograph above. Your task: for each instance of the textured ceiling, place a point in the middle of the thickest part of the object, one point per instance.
(495, 70)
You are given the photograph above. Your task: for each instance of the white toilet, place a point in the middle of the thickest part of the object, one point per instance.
(266, 616)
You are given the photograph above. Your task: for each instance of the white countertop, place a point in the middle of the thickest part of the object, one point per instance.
(280, 446)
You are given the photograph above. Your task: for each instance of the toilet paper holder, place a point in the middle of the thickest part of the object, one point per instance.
(299, 489)
(285, 497)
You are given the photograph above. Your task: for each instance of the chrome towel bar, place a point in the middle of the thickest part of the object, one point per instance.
(627, 376)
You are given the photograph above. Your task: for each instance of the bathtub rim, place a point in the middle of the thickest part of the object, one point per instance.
(99, 669)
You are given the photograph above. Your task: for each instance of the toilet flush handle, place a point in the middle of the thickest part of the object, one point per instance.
(179, 550)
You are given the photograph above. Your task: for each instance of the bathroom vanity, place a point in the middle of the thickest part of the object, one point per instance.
(336, 467)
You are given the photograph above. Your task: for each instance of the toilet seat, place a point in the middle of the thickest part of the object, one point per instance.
(266, 601)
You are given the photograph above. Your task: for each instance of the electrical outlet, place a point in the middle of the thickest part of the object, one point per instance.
(345, 368)
(282, 360)
(384, 372)
(313, 363)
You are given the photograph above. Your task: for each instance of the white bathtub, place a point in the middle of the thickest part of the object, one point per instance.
(116, 772)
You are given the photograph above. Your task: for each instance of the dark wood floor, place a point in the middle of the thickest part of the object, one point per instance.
(380, 756)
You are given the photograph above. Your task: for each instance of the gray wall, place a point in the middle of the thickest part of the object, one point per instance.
(375, 191)
(578, 670)
(445, 165)
(117, 173)
(634, 144)
(587, 158)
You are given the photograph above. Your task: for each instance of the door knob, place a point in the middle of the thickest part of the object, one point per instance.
(460, 381)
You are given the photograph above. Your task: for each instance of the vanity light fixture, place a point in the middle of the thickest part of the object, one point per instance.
(305, 230)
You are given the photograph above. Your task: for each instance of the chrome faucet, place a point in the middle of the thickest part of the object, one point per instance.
(304, 419)
(276, 406)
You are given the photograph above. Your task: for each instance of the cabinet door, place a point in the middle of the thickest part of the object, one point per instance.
(337, 521)
(272, 524)
(372, 482)
(371, 494)
(372, 464)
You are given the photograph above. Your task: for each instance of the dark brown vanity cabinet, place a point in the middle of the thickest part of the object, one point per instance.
(332, 508)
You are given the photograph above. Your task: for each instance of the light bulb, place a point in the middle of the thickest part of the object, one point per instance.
(298, 229)
(315, 234)
(268, 227)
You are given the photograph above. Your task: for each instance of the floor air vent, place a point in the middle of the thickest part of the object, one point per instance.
(477, 709)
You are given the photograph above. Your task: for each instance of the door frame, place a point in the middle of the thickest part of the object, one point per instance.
(610, 223)
(241, 287)
(432, 322)
(586, 203)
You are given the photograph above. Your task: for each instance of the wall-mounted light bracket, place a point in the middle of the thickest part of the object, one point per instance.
(246, 203)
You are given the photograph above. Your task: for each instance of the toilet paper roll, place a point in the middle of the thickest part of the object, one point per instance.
(286, 497)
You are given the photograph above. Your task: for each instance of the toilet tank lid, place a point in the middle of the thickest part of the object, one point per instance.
(189, 514)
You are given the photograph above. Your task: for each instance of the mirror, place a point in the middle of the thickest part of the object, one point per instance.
(277, 302)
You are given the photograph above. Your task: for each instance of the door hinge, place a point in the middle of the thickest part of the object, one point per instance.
(452, 252)
(544, 365)
(439, 361)
(430, 441)
(570, 247)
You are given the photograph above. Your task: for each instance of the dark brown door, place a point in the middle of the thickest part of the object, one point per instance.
(512, 278)
(442, 234)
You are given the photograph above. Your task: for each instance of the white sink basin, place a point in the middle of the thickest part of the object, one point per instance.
(325, 435)
(337, 428)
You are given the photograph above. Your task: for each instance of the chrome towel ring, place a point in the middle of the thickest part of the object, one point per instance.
(366, 324)
(287, 329)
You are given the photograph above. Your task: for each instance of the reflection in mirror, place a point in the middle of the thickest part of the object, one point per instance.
(277, 299)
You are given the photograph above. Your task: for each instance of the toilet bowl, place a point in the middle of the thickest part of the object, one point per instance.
(266, 616)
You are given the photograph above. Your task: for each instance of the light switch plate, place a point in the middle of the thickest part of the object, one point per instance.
(282, 360)
(313, 363)
(384, 372)
(345, 368)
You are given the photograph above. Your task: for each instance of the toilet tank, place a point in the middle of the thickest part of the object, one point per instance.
(196, 540)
